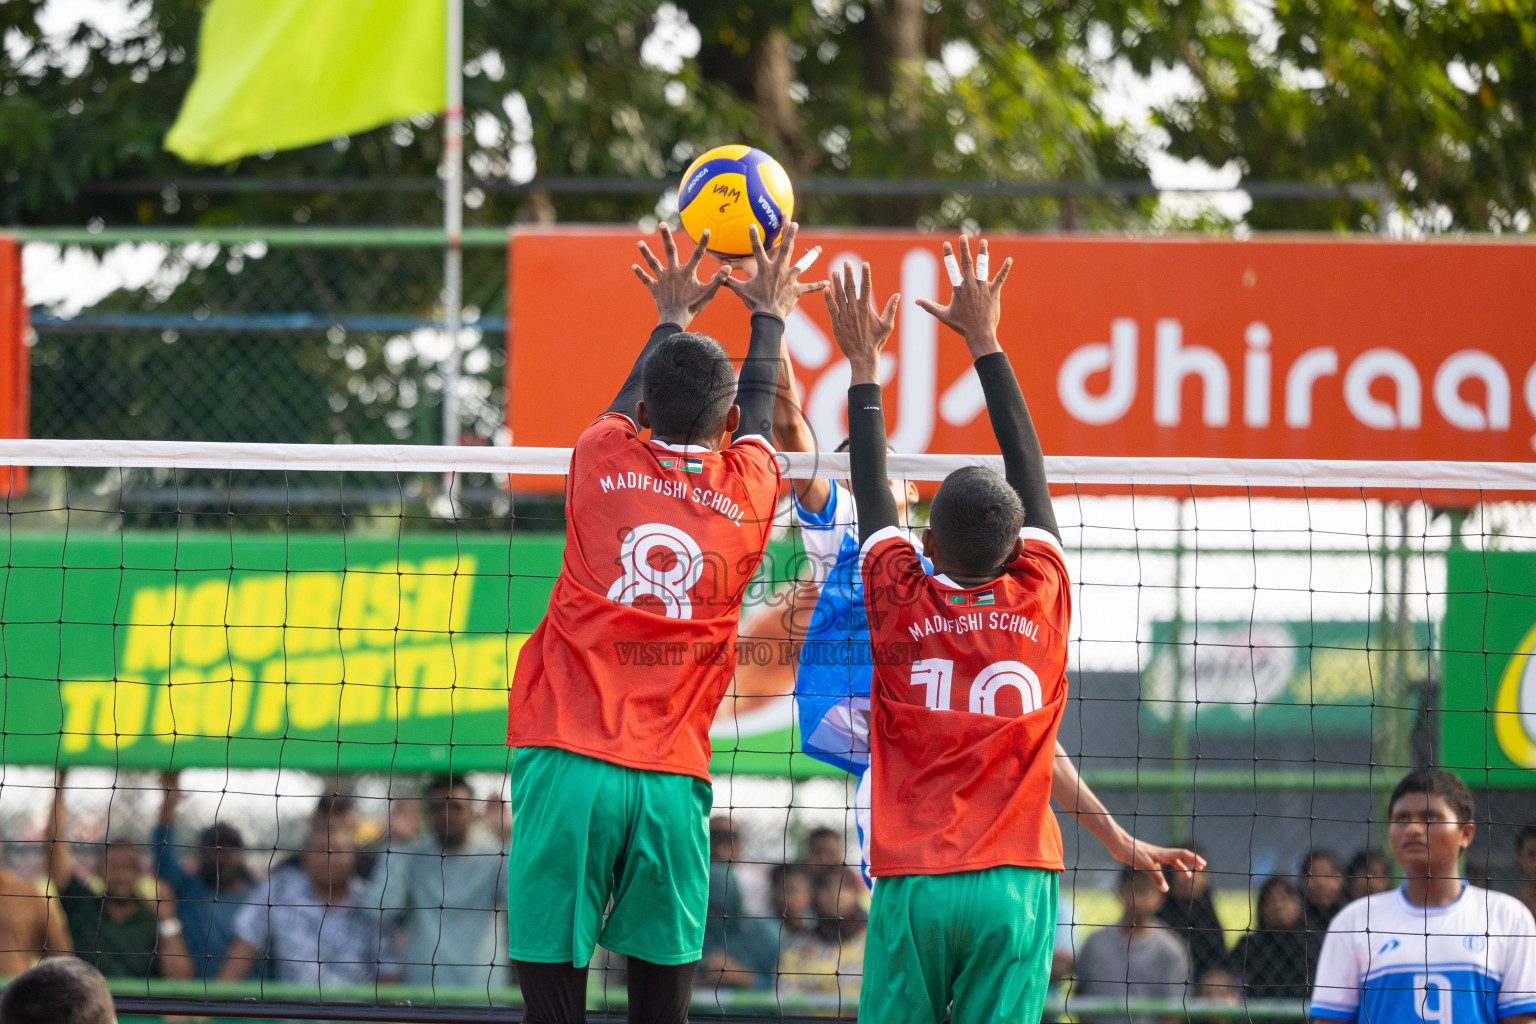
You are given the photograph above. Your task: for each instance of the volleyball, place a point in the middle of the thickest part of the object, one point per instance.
(730, 188)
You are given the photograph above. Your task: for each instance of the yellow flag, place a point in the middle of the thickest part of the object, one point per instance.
(276, 74)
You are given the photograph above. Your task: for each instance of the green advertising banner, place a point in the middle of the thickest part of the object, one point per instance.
(314, 652)
(1488, 734)
(1292, 678)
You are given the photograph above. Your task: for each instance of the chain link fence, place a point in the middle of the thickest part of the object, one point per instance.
(219, 339)
(293, 337)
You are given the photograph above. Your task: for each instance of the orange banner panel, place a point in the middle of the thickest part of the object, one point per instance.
(15, 359)
(1288, 348)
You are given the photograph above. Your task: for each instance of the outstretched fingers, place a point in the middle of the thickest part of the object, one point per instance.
(669, 244)
(714, 284)
(787, 243)
(967, 269)
(650, 259)
(645, 279)
(698, 253)
(758, 252)
(1002, 275)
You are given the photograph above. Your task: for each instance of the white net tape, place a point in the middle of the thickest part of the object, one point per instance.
(1308, 474)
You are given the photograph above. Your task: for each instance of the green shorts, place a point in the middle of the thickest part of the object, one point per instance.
(981, 940)
(586, 831)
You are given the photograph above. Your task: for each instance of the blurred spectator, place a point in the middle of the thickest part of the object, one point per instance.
(1272, 958)
(793, 895)
(1136, 959)
(826, 853)
(1218, 986)
(441, 894)
(1368, 873)
(740, 951)
(1189, 913)
(1525, 865)
(31, 925)
(61, 990)
(1322, 887)
(829, 958)
(111, 927)
(1322, 890)
(404, 821)
(311, 924)
(209, 897)
(498, 818)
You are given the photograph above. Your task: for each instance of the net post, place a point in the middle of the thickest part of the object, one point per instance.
(453, 227)
(1178, 736)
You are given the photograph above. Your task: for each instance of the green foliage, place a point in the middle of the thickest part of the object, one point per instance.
(833, 88)
(1436, 99)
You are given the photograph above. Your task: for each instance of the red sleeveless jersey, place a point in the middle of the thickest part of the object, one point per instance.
(968, 691)
(638, 645)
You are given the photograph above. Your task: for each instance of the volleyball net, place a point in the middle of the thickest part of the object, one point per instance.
(238, 674)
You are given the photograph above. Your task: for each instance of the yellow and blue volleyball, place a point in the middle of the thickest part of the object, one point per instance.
(729, 189)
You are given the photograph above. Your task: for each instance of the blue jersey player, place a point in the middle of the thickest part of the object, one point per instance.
(1439, 948)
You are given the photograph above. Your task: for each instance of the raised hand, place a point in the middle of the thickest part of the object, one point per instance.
(774, 285)
(859, 330)
(975, 305)
(679, 294)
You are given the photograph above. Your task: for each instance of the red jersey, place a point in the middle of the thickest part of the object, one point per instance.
(638, 645)
(968, 691)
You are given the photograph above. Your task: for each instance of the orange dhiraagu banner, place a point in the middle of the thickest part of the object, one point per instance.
(15, 358)
(1292, 348)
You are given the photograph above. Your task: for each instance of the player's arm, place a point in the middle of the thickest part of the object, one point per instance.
(239, 959)
(171, 954)
(770, 294)
(791, 433)
(61, 862)
(679, 296)
(975, 306)
(1075, 797)
(861, 332)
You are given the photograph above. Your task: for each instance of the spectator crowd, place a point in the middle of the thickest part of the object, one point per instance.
(425, 904)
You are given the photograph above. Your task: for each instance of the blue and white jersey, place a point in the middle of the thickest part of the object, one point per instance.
(832, 679)
(1469, 962)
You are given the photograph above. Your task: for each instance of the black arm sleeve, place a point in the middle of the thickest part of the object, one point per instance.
(629, 394)
(866, 461)
(757, 387)
(1023, 463)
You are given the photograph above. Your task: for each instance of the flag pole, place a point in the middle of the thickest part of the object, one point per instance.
(453, 226)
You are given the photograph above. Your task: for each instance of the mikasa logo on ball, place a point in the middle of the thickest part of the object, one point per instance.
(769, 213)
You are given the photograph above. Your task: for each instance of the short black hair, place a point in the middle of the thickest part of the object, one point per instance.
(1361, 861)
(1526, 834)
(222, 835)
(821, 832)
(60, 990)
(444, 783)
(977, 517)
(1312, 856)
(1436, 782)
(688, 387)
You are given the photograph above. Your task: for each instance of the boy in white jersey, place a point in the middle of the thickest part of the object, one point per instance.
(1438, 948)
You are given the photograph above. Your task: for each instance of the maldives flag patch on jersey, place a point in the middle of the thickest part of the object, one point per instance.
(666, 463)
(985, 597)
